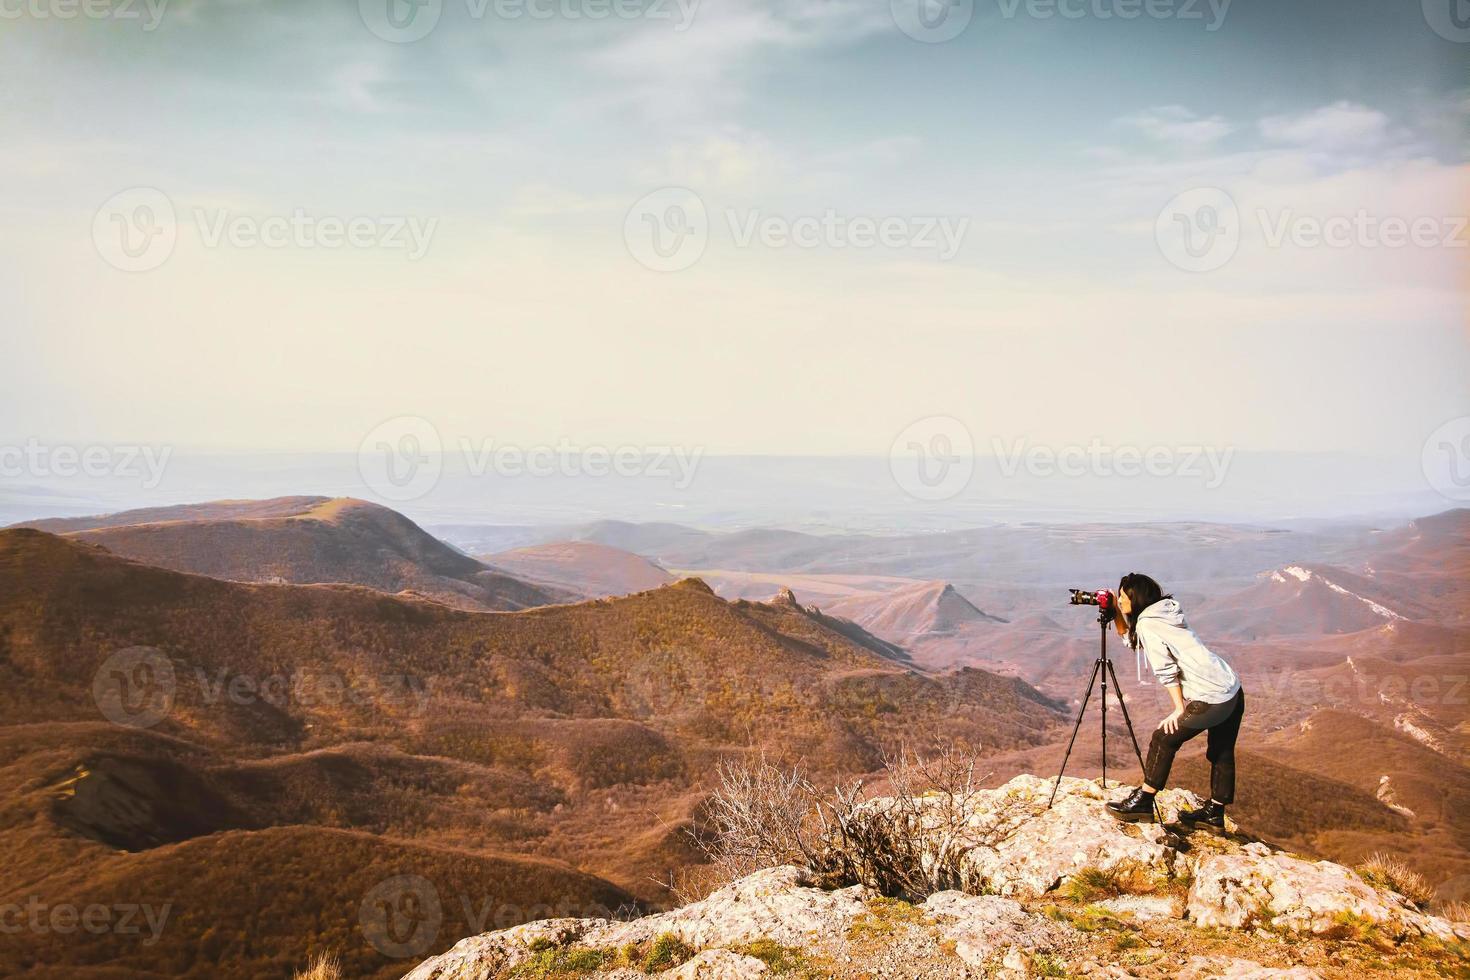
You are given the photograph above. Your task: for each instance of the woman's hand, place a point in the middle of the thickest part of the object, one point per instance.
(1170, 725)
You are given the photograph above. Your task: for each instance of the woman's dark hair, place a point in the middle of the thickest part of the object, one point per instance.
(1142, 592)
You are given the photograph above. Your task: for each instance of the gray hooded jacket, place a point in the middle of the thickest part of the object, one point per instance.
(1178, 657)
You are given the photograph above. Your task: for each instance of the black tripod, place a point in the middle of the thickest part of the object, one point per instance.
(1102, 667)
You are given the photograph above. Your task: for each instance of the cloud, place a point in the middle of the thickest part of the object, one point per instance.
(1177, 125)
(1340, 126)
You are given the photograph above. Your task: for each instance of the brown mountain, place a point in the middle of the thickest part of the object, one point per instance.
(582, 568)
(304, 540)
(309, 742)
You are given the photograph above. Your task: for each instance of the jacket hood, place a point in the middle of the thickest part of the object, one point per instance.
(1165, 611)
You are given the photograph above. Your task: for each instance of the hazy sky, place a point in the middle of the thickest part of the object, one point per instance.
(1048, 145)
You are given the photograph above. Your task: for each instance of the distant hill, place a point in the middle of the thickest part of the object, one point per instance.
(1302, 601)
(304, 540)
(581, 568)
(571, 735)
(924, 609)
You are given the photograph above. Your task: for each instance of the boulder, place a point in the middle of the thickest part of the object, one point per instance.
(1265, 888)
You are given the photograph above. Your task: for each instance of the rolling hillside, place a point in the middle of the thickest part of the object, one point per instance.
(305, 540)
(352, 736)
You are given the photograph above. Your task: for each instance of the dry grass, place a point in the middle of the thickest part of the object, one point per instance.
(1387, 871)
(323, 966)
(1457, 912)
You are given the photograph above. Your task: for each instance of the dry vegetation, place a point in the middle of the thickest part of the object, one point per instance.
(905, 843)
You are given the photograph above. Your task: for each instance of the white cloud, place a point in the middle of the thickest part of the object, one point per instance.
(1340, 126)
(1179, 126)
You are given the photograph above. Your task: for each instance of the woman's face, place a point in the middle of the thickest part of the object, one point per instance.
(1125, 604)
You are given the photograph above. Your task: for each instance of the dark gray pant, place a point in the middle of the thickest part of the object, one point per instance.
(1221, 722)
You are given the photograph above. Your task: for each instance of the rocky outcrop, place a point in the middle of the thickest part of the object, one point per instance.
(1021, 848)
(1017, 916)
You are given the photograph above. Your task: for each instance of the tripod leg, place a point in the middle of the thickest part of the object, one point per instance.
(1126, 720)
(1104, 661)
(1086, 696)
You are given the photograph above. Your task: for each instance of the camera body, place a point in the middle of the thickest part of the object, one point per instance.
(1102, 598)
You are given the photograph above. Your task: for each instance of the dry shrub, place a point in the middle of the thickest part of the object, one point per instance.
(323, 966)
(908, 842)
(1387, 871)
(1456, 912)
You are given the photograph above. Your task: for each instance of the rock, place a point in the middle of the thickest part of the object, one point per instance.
(718, 964)
(1229, 968)
(1260, 887)
(1018, 847)
(986, 927)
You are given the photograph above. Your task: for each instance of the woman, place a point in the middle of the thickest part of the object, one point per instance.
(1206, 694)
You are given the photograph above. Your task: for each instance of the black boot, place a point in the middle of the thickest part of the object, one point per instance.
(1137, 808)
(1211, 816)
